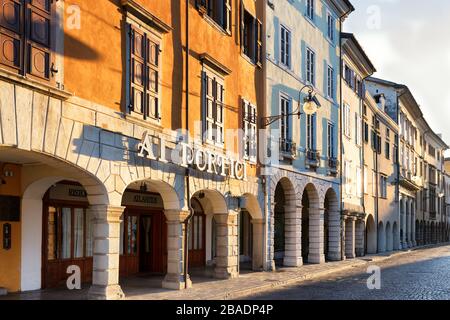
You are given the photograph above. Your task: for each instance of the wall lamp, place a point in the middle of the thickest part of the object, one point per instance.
(310, 106)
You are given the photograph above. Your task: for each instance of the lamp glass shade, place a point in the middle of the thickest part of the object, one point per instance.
(309, 107)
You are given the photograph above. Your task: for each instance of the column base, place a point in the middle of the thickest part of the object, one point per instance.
(350, 255)
(360, 252)
(224, 273)
(414, 244)
(334, 256)
(316, 258)
(292, 262)
(271, 266)
(176, 282)
(404, 245)
(112, 292)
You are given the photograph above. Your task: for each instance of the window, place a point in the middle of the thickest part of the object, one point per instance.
(347, 177)
(219, 11)
(26, 34)
(358, 121)
(311, 132)
(213, 100)
(331, 25)
(387, 150)
(366, 180)
(359, 183)
(249, 124)
(330, 82)
(251, 38)
(330, 141)
(349, 76)
(383, 186)
(366, 132)
(285, 47)
(285, 108)
(144, 71)
(310, 66)
(69, 233)
(347, 120)
(310, 9)
(374, 184)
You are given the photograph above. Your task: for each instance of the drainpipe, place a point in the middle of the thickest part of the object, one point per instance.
(186, 174)
(341, 150)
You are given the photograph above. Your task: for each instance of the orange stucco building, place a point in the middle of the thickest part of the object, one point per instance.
(93, 97)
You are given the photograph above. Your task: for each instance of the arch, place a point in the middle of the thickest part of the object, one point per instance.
(396, 236)
(285, 220)
(381, 238)
(212, 201)
(332, 226)
(312, 226)
(389, 237)
(371, 235)
(169, 195)
(37, 178)
(251, 204)
(252, 236)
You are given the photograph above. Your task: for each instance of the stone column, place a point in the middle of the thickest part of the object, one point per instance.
(408, 223)
(227, 258)
(174, 278)
(334, 234)
(350, 238)
(258, 245)
(316, 226)
(293, 235)
(413, 223)
(105, 276)
(359, 238)
(403, 222)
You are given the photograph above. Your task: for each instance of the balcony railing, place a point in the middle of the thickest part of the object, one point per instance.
(288, 148)
(333, 164)
(312, 158)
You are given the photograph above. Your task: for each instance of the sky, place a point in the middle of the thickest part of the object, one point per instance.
(408, 41)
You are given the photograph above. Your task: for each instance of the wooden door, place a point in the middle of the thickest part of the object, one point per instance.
(197, 230)
(67, 241)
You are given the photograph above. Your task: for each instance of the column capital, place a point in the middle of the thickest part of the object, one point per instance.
(176, 215)
(107, 213)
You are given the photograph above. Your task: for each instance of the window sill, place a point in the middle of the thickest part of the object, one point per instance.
(332, 42)
(137, 118)
(248, 59)
(36, 85)
(213, 23)
(311, 21)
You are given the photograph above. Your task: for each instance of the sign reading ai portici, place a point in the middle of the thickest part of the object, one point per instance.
(198, 157)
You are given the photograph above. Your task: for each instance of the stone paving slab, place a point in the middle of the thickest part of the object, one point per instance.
(251, 283)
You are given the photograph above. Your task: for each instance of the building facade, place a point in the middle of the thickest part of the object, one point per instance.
(303, 52)
(356, 67)
(420, 165)
(105, 156)
(206, 137)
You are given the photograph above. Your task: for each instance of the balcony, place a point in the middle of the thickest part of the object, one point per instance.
(288, 149)
(333, 165)
(312, 158)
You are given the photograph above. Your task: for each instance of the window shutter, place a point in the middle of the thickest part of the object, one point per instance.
(38, 46)
(241, 33)
(11, 34)
(227, 16)
(137, 71)
(152, 78)
(259, 49)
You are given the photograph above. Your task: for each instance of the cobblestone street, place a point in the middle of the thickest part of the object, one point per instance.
(420, 275)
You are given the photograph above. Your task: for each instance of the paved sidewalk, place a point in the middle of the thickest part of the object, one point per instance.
(256, 282)
(142, 287)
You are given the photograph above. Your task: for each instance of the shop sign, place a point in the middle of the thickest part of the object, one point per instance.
(198, 157)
